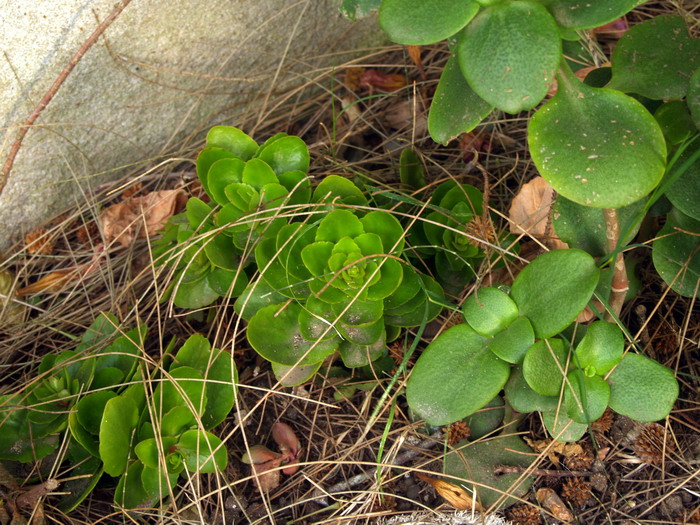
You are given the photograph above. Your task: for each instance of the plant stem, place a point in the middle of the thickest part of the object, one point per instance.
(620, 283)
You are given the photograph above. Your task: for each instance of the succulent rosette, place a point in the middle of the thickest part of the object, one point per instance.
(248, 185)
(335, 285)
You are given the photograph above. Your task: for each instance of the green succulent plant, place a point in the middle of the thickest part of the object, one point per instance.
(248, 186)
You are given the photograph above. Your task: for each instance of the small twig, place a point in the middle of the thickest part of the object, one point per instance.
(500, 470)
(620, 283)
(48, 96)
(358, 479)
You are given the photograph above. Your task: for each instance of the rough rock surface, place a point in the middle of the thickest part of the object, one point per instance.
(163, 72)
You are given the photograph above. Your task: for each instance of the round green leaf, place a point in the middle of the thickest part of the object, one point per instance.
(184, 387)
(148, 450)
(489, 310)
(455, 376)
(119, 419)
(684, 193)
(554, 288)
(86, 440)
(338, 224)
(130, 493)
(177, 420)
(411, 171)
(294, 375)
(486, 419)
(425, 22)
(429, 305)
(544, 366)
(597, 147)
(158, 483)
(524, 399)
(561, 427)
(512, 344)
(337, 188)
(585, 398)
(195, 294)
(693, 99)
(205, 159)
(274, 333)
(202, 452)
(286, 154)
(387, 227)
(257, 173)
(577, 14)
(509, 54)
(600, 349)
(222, 173)
(455, 108)
(675, 121)
(233, 140)
(642, 389)
(656, 58)
(355, 355)
(90, 408)
(676, 254)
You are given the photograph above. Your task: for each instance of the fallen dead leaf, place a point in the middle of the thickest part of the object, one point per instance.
(453, 494)
(352, 77)
(376, 79)
(414, 54)
(407, 115)
(615, 29)
(140, 217)
(554, 449)
(553, 503)
(530, 212)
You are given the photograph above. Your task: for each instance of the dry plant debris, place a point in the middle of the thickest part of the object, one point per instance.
(39, 242)
(524, 514)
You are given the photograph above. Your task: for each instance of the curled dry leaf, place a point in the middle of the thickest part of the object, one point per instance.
(288, 444)
(530, 211)
(140, 217)
(614, 30)
(264, 465)
(379, 80)
(352, 77)
(554, 449)
(553, 503)
(473, 143)
(453, 494)
(405, 114)
(414, 54)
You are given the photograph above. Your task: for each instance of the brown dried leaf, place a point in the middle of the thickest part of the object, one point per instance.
(530, 211)
(614, 30)
(376, 79)
(553, 503)
(140, 217)
(404, 115)
(353, 76)
(414, 54)
(453, 494)
(554, 449)
(51, 282)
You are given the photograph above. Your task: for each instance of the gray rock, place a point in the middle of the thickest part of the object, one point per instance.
(163, 72)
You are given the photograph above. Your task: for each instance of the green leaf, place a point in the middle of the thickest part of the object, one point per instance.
(233, 140)
(294, 375)
(102, 328)
(356, 355)
(489, 310)
(597, 147)
(512, 344)
(257, 173)
(90, 408)
(585, 398)
(220, 251)
(642, 389)
(455, 108)
(286, 154)
(656, 58)
(577, 14)
(298, 185)
(355, 9)
(509, 54)
(524, 399)
(676, 253)
(86, 473)
(411, 171)
(430, 298)
(202, 452)
(339, 189)
(222, 173)
(158, 483)
(684, 193)
(227, 283)
(487, 419)
(198, 212)
(675, 121)
(206, 158)
(184, 387)
(257, 295)
(149, 450)
(177, 420)
(196, 294)
(425, 22)
(583, 227)
(338, 224)
(454, 377)
(387, 227)
(274, 333)
(119, 420)
(693, 99)
(130, 492)
(600, 349)
(86, 440)
(554, 288)
(544, 366)
(476, 462)
(561, 427)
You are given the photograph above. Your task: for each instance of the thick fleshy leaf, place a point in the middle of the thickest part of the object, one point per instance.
(583, 227)
(339, 189)
(512, 344)
(642, 389)
(524, 399)
(222, 173)
(286, 154)
(411, 171)
(206, 158)
(119, 419)
(425, 22)
(177, 420)
(257, 295)
(585, 398)
(656, 58)
(222, 282)
(233, 140)
(600, 349)
(149, 451)
(220, 251)
(257, 173)
(554, 288)
(274, 333)
(427, 307)
(455, 376)
(391, 275)
(577, 14)
(387, 227)
(355, 355)
(158, 483)
(561, 427)
(684, 193)
(489, 310)
(196, 294)
(487, 419)
(509, 54)
(693, 99)
(338, 224)
(130, 492)
(544, 366)
(184, 387)
(676, 255)
(597, 147)
(294, 375)
(202, 452)
(477, 462)
(298, 185)
(90, 409)
(455, 108)
(676, 121)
